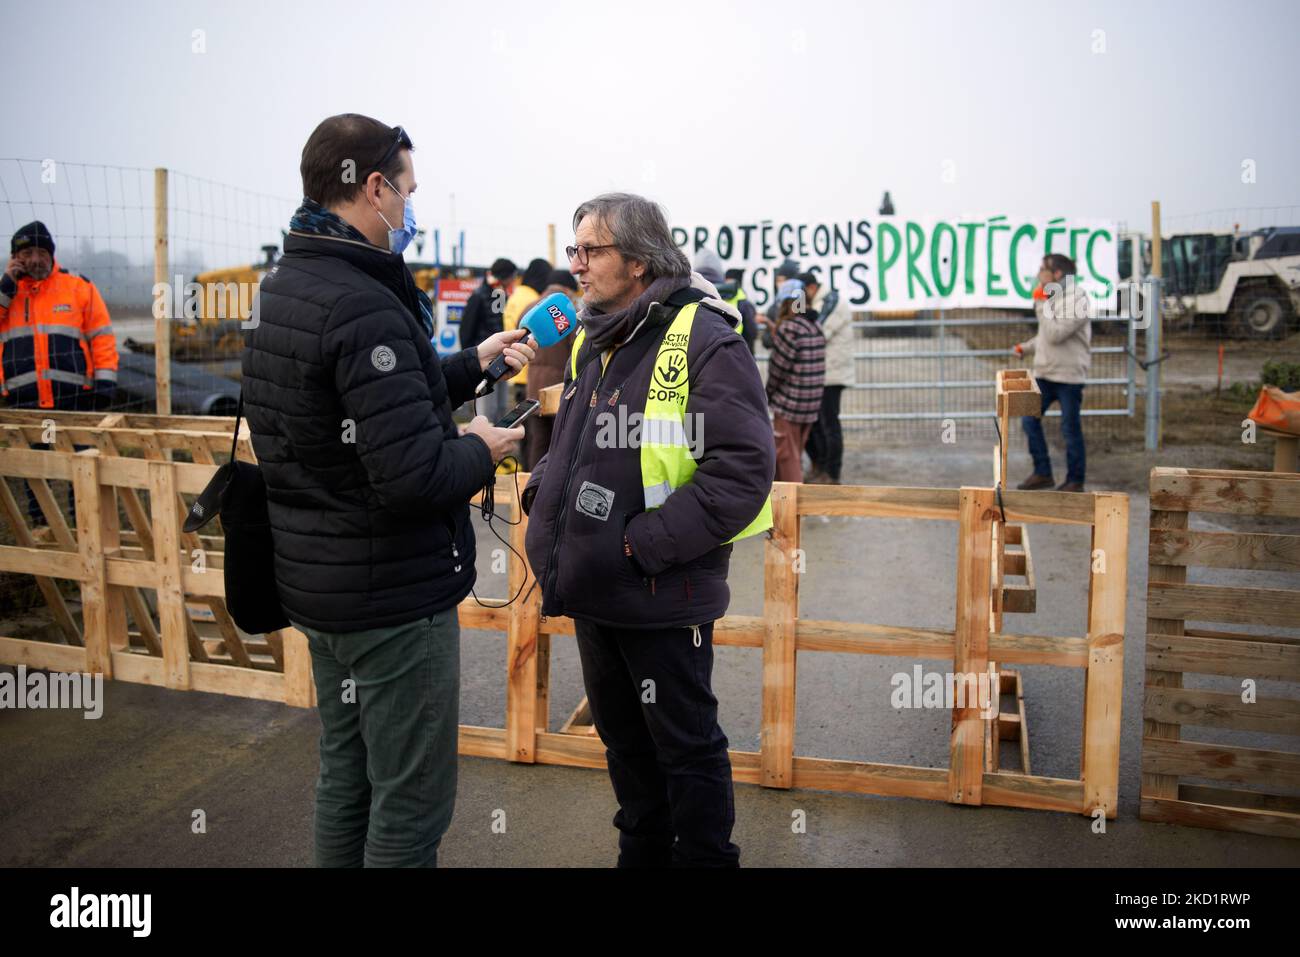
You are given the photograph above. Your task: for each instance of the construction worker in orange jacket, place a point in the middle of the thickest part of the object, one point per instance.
(57, 349)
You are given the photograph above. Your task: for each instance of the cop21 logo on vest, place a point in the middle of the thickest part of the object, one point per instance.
(670, 369)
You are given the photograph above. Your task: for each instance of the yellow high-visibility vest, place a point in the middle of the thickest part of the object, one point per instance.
(666, 462)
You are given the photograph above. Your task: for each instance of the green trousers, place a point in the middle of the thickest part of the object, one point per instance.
(389, 708)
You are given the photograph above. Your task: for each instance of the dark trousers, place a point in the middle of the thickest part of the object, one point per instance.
(389, 709)
(826, 440)
(652, 704)
(1070, 397)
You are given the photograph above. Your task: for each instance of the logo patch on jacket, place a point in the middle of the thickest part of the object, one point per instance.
(669, 368)
(383, 358)
(595, 501)
(63, 307)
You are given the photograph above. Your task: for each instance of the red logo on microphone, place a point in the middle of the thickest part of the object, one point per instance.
(561, 320)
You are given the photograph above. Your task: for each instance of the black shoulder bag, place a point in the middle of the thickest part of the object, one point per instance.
(238, 494)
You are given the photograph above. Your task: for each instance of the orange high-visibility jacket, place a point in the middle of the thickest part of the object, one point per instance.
(56, 341)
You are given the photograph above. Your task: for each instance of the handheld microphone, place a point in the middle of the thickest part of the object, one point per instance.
(547, 322)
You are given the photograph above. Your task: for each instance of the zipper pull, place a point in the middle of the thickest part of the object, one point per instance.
(614, 398)
(696, 640)
(592, 403)
(572, 389)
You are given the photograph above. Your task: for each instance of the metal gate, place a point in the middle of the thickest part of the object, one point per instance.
(919, 368)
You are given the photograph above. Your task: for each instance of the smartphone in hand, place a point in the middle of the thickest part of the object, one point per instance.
(520, 412)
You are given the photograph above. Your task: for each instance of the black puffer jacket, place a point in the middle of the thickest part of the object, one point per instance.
(367, 479)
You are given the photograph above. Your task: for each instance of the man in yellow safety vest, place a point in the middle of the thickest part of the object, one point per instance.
(661, 458)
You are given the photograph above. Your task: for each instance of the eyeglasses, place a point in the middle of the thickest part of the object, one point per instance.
(583, 253)
(401, 140)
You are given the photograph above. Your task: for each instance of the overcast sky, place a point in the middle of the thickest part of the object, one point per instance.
(720, 110)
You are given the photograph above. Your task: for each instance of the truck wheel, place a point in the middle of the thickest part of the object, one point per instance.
(1261, 314)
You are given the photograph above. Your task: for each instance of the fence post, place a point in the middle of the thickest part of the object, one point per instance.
(971, 646)
(1103, 682)
(1154, 332)
(780, 609)
(94, 581)
(162, 326)
(523, 646)
(550, 241)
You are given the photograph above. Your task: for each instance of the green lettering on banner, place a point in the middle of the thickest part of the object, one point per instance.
(990, 275)
(915, 245)
(1074, 242)
(1088, 256)
(1023, 291)
(939, 285)
(886, 259)
(1047, 234)
(969, 229)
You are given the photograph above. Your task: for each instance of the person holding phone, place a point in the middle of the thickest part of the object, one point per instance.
(57, 348)
(368, 487)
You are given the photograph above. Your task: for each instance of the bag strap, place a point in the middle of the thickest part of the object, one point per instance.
(239, 414)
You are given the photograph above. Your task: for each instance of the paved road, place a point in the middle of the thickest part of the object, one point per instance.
(121, 790)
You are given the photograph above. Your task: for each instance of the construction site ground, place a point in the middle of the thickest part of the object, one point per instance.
(121, 790)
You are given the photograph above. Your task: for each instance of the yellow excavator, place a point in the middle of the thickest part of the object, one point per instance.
(225, 301)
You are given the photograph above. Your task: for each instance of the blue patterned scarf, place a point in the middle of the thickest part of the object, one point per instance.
(314, 218)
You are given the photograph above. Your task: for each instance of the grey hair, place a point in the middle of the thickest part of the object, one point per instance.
(640, 231)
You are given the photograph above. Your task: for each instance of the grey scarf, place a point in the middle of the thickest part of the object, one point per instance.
(605, 329)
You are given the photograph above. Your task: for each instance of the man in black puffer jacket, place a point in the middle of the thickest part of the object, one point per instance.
(368, 488)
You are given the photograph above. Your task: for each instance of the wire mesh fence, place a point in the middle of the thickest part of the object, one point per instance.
(914, 374)
(219, 241)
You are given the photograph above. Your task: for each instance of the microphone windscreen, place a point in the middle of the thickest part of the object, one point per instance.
(551, 319)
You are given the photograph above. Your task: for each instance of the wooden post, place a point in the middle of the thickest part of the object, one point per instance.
(94, 584)
(780, 609)
(172, 616)
(521, 657)
(162, 329)
(299, 687)
(971, 646)
(1103, 683)
(550, 241)
(1157, 244)
(1155, 329)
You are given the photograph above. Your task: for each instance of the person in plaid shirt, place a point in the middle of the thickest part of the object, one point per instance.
(796, 372)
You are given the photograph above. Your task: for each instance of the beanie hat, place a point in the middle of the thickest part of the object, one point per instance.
(708, 265)
(32, 235)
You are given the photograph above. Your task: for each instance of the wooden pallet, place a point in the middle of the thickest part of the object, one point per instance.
(106, 571)
(1015, 394)
(1252, 789)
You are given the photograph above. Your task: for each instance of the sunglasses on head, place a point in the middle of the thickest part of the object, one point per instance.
(402, 140)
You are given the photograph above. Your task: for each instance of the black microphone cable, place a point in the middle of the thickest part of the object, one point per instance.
(487, 508)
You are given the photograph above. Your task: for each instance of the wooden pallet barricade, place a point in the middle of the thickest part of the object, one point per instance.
(279, 666)
(1251, 788)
